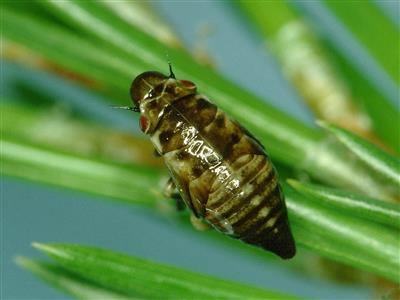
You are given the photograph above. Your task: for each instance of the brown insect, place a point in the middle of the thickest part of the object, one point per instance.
(221, 171)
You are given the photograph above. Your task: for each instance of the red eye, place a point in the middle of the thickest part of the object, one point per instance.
(188, 84)
(144, 123)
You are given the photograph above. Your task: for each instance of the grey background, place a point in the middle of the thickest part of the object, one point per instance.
(33, 212)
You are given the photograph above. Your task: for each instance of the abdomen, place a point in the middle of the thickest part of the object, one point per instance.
(223, 174)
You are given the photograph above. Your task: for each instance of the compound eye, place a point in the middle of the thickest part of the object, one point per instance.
(144, 123)
(187, 84)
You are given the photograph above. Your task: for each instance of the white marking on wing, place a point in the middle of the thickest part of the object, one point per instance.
(227, 227)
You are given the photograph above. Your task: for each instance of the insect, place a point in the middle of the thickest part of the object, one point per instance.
(221, 171)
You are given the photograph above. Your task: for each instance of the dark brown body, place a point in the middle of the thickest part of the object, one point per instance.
(222, 173)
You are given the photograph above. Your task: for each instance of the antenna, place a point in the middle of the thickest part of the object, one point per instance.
(171, 73)
(136, 109)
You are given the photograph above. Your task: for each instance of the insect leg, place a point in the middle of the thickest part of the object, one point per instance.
(171, 192)
(170, 189)
(198, 223)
